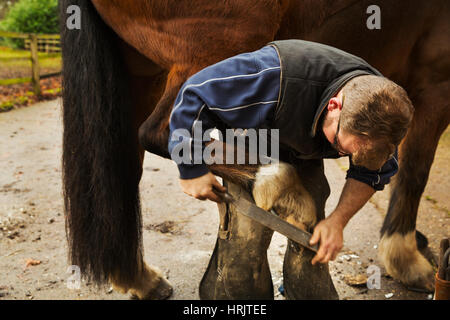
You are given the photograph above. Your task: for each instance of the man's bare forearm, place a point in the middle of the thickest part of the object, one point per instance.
(353, 197)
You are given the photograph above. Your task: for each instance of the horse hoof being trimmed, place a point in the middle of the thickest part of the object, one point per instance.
(404, 262)
(278, 187)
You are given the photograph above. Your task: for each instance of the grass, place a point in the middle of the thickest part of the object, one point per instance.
(21, 100)
(7, 82)
(16, 64)
(6, 106)
(8, 53)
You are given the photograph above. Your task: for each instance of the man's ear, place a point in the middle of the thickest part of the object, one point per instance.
(334, 104)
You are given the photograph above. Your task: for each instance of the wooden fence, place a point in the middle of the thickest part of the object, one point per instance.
(35, 42)
(47, 45)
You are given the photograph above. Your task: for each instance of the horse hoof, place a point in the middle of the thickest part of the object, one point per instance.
(149, 285)
(404, 262)
(162, 291)
(302, 280)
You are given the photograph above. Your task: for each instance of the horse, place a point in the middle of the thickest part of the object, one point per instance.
(122, 71)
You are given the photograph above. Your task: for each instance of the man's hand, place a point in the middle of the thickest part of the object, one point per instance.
(202, 187)
(330, 233)
(330, 230)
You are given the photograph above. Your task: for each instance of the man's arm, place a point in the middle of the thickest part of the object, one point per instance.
(353, 197)
(330, 230)
(240, 91)
(361, 184)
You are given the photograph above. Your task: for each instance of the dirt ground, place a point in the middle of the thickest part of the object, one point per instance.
(179, 232)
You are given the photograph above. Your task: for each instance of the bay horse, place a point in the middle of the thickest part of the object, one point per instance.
(123, 69)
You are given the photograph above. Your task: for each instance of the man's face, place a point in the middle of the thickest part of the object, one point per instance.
(369, 154)
(342, 141)
(345, 143)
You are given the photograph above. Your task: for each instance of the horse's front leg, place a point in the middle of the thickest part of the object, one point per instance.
(401, 249)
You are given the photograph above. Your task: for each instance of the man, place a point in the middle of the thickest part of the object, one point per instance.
(325, 102)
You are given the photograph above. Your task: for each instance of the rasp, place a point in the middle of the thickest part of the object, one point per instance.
(268, 219)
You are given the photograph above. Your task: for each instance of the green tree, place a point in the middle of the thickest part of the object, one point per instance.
(32, 16)
(4, 6)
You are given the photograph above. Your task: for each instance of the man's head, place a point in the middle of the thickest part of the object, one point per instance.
(368, 119)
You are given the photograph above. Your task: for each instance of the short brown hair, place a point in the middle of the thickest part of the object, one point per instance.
(378, 111)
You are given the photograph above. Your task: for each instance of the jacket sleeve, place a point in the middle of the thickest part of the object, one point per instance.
(240, 91)
(377, 179)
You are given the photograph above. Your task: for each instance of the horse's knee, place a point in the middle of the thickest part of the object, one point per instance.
(144, 136)
(154, 139)
(278, 187)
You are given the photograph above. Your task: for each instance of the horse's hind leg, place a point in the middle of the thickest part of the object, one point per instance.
(146, 84)
(238, 268)
(154, 131)
(149, 284)
(298, 194)
(278, 187)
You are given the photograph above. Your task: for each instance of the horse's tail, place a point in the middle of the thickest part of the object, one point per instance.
(101, 165)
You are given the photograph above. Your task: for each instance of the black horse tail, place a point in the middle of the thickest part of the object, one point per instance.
(101, 164)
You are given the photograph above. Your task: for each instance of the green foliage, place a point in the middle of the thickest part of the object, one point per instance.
(32, 16)
(4, 6)
(6, 106)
